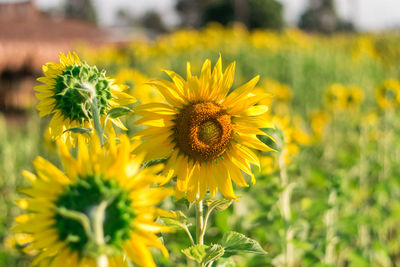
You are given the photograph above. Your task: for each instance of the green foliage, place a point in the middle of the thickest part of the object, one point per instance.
(267, 14)
(234, 243)
(197, 252)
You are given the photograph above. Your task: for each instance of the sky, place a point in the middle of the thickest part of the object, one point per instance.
(370, 15)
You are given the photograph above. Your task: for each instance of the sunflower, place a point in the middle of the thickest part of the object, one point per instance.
(205, 132)
(335, 97)
(138, 86)
(289, 137)
(388, 94)
(355, 96)
(97, 175)
(66, 93)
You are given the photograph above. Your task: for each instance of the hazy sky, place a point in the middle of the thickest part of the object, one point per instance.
(366, 14)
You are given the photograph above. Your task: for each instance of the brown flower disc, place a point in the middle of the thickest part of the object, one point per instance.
(203, 131)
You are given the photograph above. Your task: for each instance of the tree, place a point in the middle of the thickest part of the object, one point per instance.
(80, 9)
(152, 20)
(321, 16)
(190, 12)
(265, 14)
(253, 13)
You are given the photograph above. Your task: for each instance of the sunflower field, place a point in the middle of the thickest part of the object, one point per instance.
(211, 147)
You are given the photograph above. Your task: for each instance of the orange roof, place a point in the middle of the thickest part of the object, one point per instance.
(29, 38)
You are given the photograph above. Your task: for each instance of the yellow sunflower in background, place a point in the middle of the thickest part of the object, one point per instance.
(319, 121)
(205, 132)
(138, 86)
(388, 94)
(335, 97)
(281, 96)
(66, 93)
(289, 138)
(355, 96)
(97, 175)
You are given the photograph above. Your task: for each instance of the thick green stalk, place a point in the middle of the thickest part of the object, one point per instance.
(284, 206)
(363, 234)
(94, 108)
(199, 225)
(96, 120)
(98, 232)
(330, 222)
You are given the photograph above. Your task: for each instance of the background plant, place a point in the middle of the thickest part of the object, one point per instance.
(351, 152)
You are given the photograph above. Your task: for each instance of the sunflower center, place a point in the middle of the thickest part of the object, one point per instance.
(389, 93)
(210, 132)
(71, 92)
(203, 131)
(85, 194)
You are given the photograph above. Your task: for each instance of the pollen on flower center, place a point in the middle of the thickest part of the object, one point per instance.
(203, 131)
(210, 132)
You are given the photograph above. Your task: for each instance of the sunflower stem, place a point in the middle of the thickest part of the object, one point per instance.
(96, 120)
(98, 217)
(77, 216)
(199, 225)
(284, 203)
(94, 106)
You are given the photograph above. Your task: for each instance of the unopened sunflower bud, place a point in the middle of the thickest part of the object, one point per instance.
(68, 91)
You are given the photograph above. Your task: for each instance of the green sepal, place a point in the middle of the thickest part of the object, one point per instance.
(219, 205)
(235, 243)
(79, 130)
(118, 112)
(179, 222)
(204, 254)
(213, 253)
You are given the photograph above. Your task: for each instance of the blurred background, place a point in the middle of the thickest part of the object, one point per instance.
(33, 32)
(332, 66)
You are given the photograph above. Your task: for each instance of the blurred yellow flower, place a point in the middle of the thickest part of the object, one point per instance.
(269, 164)
(364, 49)
(58, 203)
(354, 97)
(388, 94)
(289, 137)
(339, 97)
(281, 95)
(138, 86)
(335, 97)
(319, 120)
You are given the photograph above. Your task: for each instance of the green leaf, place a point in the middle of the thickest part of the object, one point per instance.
(234, 243)
(203, 253)
(176, 223)
(220, 204)
(78, 130)
(118, 112)
(213, 253)
(197, 252)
